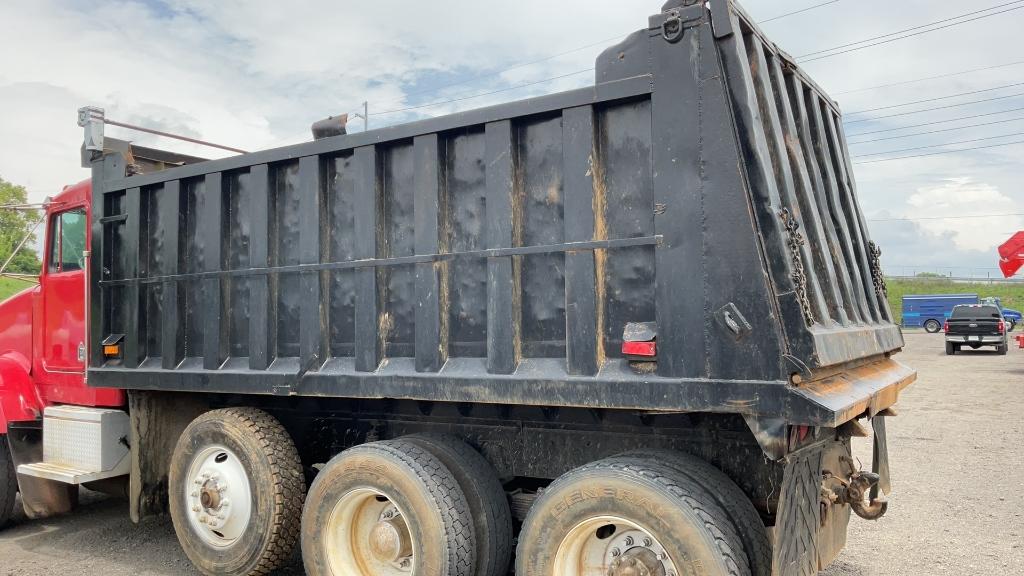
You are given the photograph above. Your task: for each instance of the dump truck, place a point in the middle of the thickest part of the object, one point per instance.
(632, 328)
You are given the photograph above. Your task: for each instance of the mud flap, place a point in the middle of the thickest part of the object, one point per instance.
(41, 498)
(809, 533)
(157, 420)
(796, 524)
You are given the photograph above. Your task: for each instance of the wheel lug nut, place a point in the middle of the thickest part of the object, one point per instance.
(629, 540)
(662, 556)
(616, 551)
(648, 542)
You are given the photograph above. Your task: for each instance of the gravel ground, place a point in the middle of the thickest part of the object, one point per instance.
(955, 451)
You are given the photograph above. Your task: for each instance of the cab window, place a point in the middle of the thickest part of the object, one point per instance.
(67, 241)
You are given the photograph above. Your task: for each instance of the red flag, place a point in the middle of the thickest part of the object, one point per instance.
(1011, 255)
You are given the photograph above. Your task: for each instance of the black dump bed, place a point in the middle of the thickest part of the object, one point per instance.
(496, 255)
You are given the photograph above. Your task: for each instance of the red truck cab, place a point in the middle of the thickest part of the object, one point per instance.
(43, 328)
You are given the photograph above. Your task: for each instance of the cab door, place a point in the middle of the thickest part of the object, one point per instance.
(63, 292)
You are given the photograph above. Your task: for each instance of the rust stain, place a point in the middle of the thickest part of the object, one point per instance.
(599, 206)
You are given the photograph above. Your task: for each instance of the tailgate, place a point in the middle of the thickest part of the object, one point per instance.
(824, 268)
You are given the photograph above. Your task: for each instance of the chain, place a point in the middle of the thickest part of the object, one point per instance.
(799, 275)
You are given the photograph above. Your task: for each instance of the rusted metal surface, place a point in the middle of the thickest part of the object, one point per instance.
(865, 389)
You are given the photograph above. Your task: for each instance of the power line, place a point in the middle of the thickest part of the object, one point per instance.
(936, 131)
(942, 217)
(935, 99)
(432, 104)
(515, 67)
(802, 10)
(950, 75)
(937, 122)
(601, 42)
(853, 45)
(938, 145)
(934, 108)
(940, 153)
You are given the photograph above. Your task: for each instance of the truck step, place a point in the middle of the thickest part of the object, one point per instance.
(71, 475)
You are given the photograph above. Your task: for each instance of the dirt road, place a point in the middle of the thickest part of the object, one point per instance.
(956, 452)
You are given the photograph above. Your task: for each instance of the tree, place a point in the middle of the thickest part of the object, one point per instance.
(14, 225)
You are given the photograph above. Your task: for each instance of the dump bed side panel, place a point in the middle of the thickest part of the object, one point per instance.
(496, 255)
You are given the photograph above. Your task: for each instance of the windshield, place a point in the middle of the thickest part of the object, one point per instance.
(975, 312)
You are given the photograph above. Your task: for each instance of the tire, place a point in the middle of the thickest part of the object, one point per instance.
(245, 456)
(627, 510)
(932, 326)
(488, 504)
(397, 496)
(950, 349)
(1002, 349)
(729, 496)
(8, 483)
(1011, 325)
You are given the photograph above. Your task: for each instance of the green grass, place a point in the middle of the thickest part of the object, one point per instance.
(1011, 295)
(9, 287)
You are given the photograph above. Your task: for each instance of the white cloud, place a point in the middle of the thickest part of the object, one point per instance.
(255, 74)
(948, 203)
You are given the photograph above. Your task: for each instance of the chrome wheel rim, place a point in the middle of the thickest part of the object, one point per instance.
(218, 494)
(367, 535)
(612, 546)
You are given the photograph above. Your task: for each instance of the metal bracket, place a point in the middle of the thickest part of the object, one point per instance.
(770, 434)
(672, 24)
(92, 119)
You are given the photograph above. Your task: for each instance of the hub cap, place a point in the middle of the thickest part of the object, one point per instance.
(218, 496)
(367, 535)
(612, 546)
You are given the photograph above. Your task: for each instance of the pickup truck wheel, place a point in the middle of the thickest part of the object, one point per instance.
(1011, 325)
(8, 483)
(932, 326)
(236, 488)
(488, 504)
(624, 516)
(1002, 349)
(387, 509)
(727, 494)
(951, 348)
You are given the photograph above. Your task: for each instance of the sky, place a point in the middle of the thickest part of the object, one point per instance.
(255, 75)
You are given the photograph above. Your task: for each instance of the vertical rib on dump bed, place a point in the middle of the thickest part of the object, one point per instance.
(496, 255)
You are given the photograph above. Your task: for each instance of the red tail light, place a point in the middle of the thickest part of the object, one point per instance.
(646, 349)
(1001, 327)
(945, 327)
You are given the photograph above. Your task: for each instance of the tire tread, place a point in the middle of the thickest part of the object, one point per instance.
(8, 483)
(494, 553)
(286, 475)
(730, 497)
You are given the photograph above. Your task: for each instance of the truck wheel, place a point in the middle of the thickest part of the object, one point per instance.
(729, 496)
(622, 516)
(932, 326)
(1002, 349)
(8, 483)
(236, 490)
(951, 349)
(1011, 325)
(387, 509)
(488, 504)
